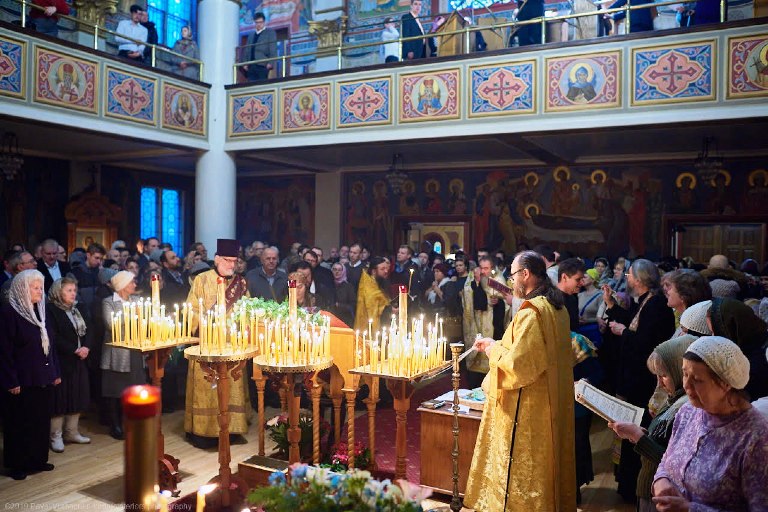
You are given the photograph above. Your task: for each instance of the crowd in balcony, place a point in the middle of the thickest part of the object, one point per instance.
(135, 35)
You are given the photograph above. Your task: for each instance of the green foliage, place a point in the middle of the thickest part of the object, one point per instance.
(312, 489)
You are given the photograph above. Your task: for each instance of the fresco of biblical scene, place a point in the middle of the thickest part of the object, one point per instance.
(280, 210)
(291, 14)
(363, 9)
(66, 81)
(183, 109)
(13, 76)
(507, 89)
(673, 74)
(252, 114)
(429, 96)
(305, 109)
(583, 82)
(364, 103)
(130, 96)
(747, 67)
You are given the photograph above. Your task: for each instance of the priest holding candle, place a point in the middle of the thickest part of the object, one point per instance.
(218, 284)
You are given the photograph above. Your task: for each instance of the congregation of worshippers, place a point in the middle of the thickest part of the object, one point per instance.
(683, 340)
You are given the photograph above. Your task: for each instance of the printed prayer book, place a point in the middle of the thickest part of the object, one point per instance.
(606, 406)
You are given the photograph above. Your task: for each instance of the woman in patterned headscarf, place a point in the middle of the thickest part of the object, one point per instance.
(29, 369)
(73, 346)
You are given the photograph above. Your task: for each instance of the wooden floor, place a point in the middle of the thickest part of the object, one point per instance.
(89, 477)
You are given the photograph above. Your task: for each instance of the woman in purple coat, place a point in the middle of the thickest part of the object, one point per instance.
(29, 369)
(717, 457)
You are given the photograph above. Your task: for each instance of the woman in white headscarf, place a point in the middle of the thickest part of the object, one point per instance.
(72, 341)
(120, 367)
(29, 369)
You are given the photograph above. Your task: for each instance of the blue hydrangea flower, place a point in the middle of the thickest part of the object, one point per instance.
(299, 471)
(277, 479)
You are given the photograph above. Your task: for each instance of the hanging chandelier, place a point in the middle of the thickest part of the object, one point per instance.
(396, 176)
(11, 159)
(708, 166)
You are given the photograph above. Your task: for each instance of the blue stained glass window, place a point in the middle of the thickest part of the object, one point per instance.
(171, 219)
(161, 216)
(170, 16)
(148, 221)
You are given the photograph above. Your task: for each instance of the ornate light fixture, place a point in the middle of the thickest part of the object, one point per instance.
(708, 166)
(396, 177)
(10, 156)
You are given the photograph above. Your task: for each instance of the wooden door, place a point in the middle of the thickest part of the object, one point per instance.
(737, 241)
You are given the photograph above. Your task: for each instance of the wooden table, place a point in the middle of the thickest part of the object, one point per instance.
(437, 443)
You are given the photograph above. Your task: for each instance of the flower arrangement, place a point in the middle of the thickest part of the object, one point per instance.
(269, 309)
(340, 457)
(312, 489)
(277, 429)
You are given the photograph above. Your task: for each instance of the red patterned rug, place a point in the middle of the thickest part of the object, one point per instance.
(386, 429)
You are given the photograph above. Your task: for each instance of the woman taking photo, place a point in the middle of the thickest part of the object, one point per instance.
(120, 367)
(72, 397)
(716, 458)
(29, 370)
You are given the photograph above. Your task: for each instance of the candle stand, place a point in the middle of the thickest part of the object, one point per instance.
(157, 356)
(402, 388)
(292, 378)
(217, 367)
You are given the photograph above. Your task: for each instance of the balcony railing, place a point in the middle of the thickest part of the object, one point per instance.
(158, 53)
(466, 32)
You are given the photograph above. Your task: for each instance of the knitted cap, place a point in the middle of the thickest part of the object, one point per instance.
(106, 275)
(593, 274)
(121, 280)
(694, 318)
(723, 288)
(724, 358)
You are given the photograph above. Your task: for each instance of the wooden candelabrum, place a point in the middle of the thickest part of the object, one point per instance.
(217, 367)
(157, 356)
(402, 389)
(292, 378)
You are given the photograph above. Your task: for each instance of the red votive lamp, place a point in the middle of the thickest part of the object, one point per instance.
(141, 412)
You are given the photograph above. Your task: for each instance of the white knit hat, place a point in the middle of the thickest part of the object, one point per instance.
(121, 280)
(724, 289)
(694, 318)
(723, 357)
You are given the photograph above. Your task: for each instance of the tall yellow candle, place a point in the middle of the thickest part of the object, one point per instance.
(292, 301)
(155, 286)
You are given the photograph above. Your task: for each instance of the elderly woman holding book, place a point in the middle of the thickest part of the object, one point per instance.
(665, 362)
(717, 458)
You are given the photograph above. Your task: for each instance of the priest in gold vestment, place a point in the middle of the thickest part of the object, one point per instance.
(202, 404)
(373, 299)
(524, 457)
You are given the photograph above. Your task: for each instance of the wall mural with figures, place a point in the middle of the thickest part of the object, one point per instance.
(611, 210)
(280, 210)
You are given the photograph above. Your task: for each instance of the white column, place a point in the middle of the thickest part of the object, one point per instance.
(215, 178)
(330, 62)
(328, 210)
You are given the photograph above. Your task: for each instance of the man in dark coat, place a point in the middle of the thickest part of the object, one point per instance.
(416, 49)
(51, 268)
